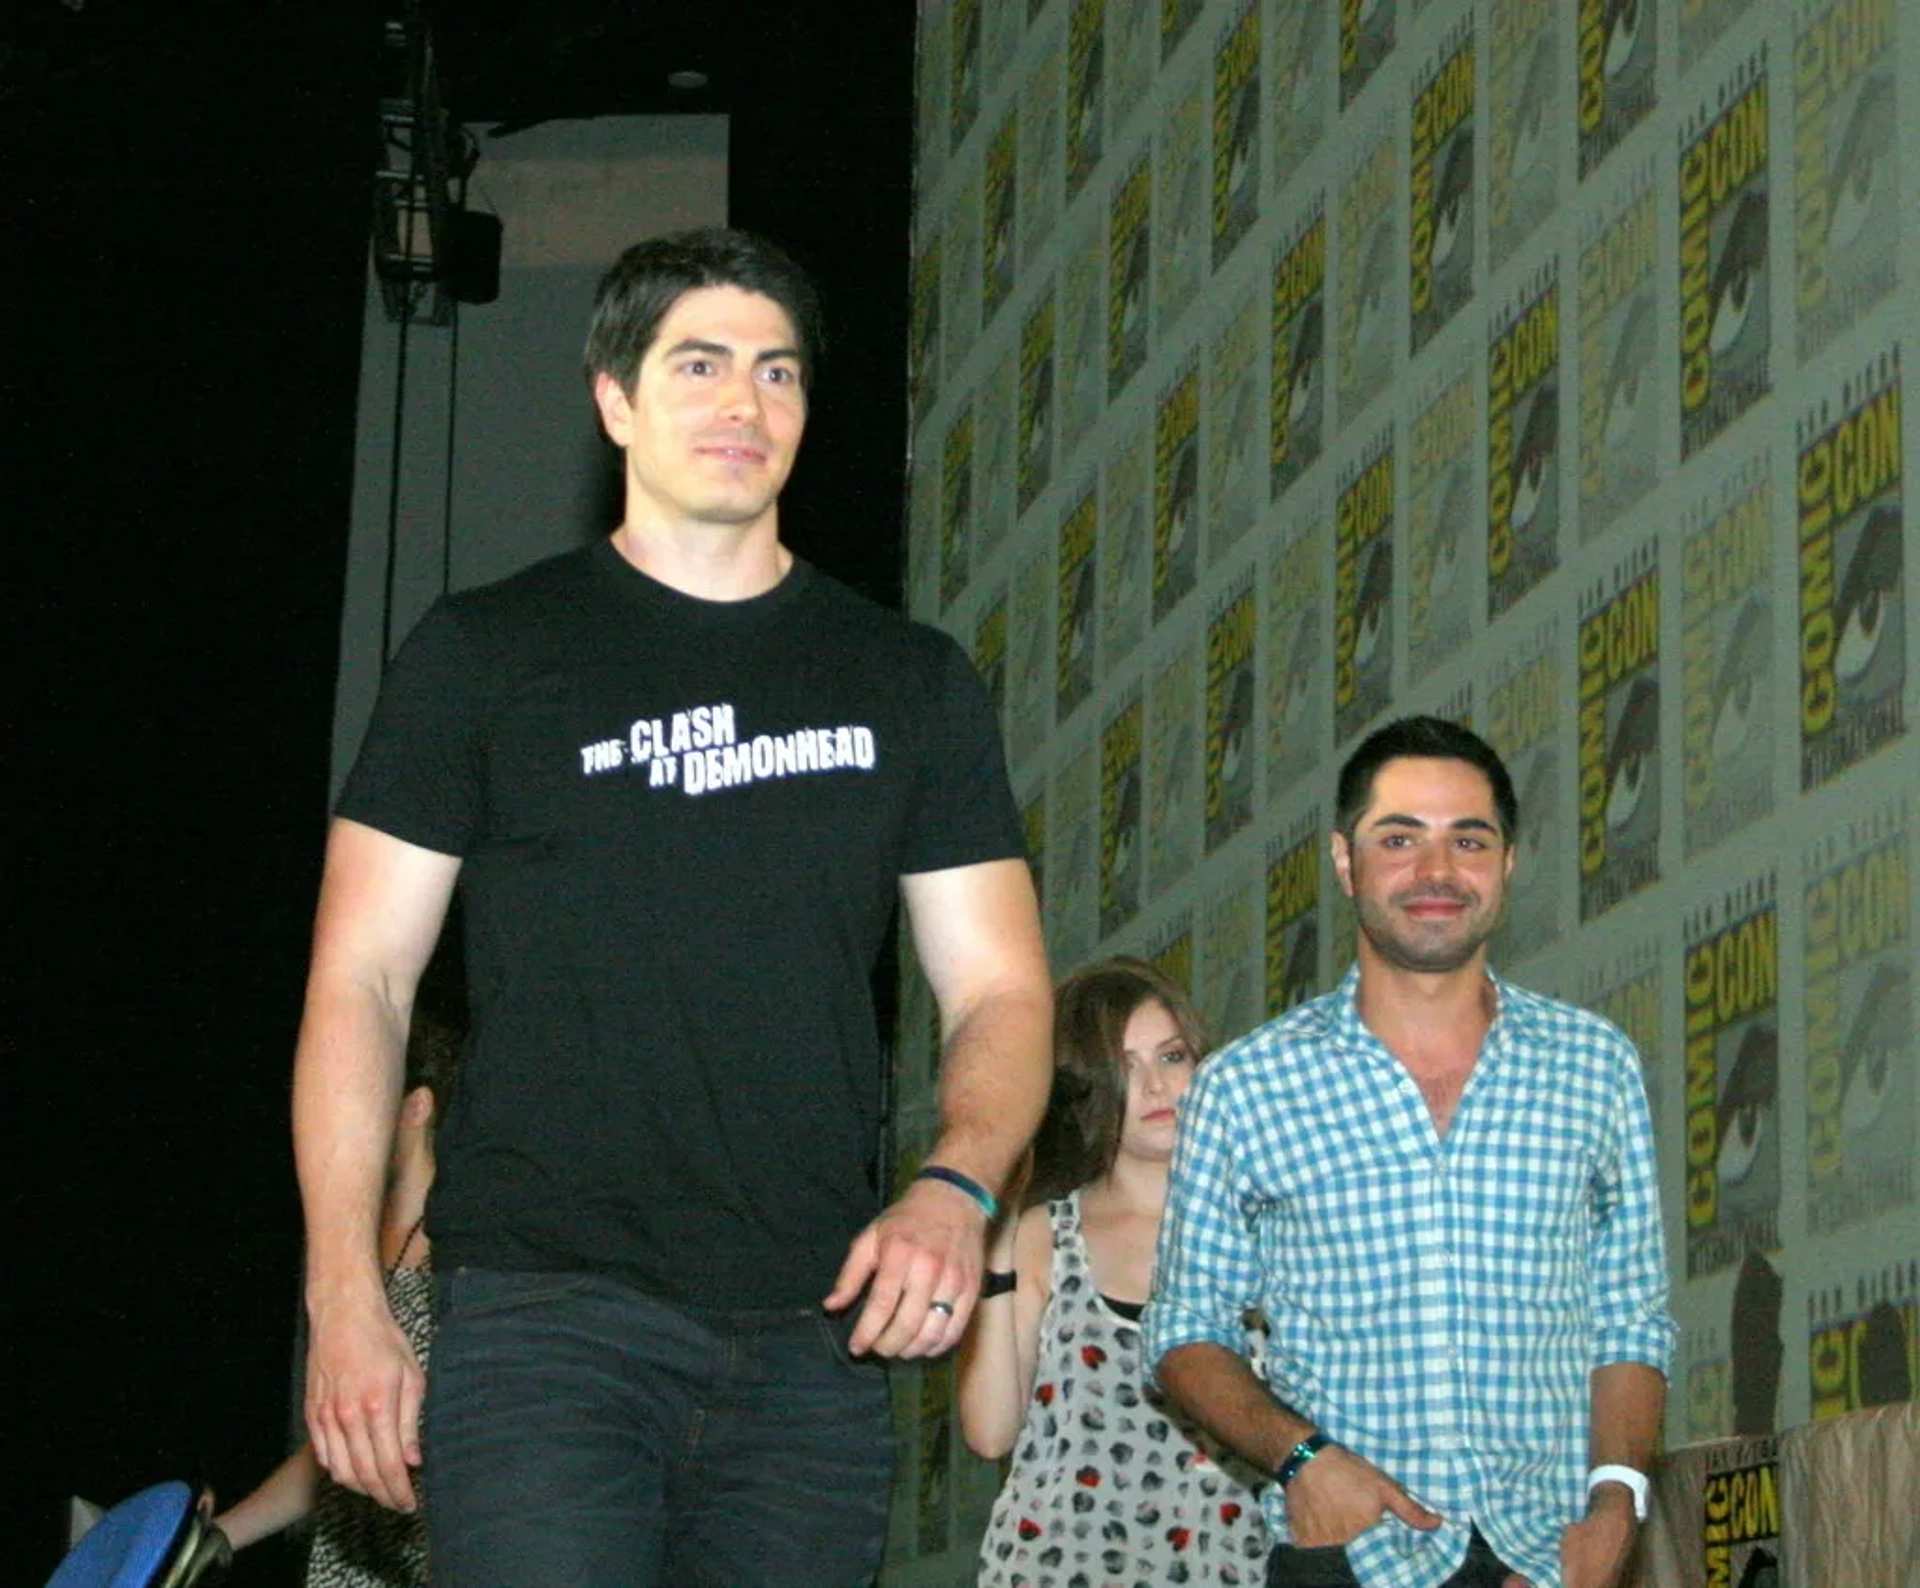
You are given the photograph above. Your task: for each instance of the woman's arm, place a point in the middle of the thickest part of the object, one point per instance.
(997, 1355)
(285, 1496)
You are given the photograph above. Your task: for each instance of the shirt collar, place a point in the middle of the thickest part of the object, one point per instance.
(1507, 1038)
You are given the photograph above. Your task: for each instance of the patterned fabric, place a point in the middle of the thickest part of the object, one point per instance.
(1435, 1303)
(1109, 1488)
(357, 1542)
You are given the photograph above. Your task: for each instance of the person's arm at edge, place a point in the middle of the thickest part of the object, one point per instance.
(1206, 1274)
(382, 902)
(977, 932)
(1628, 1385)
(1628, 1401)
(1217, 1387)
(994, 1379)
(285, 1496)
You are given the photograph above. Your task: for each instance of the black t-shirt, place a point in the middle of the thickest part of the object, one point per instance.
(683, 824)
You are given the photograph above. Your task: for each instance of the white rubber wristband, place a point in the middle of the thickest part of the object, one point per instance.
(1636, 1481)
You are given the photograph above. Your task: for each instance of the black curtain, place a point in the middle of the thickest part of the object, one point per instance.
(186, 194)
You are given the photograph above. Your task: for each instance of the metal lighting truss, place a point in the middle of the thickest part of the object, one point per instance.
(412, 190)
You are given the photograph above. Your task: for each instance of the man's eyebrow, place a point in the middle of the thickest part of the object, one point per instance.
(1460, 824)
(694, 344)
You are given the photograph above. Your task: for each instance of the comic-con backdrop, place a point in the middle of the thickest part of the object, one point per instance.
(1280, 366)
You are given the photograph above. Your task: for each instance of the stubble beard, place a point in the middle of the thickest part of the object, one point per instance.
(1425, 956)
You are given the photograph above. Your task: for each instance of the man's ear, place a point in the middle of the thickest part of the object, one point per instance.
(616, 409)
(1342, 853)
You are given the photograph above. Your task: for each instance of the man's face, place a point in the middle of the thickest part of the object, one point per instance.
(714, 419)
(1427, 864)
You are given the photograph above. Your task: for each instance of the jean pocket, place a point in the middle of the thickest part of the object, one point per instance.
(1317, 1566)
(836, 1329)
(483, 1292)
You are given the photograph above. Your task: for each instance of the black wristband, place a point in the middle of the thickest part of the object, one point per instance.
(1299, 1456)
(998, 1284)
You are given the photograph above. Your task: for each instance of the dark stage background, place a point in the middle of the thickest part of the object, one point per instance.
(186, 197)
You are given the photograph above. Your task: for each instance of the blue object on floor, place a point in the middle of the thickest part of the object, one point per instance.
(133, 1545)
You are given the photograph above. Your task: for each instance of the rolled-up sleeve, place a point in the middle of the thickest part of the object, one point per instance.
(1206, 1271)
(1629, 1262)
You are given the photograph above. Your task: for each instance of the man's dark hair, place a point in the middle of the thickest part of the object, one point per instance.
(650, 277)
(1430, 738)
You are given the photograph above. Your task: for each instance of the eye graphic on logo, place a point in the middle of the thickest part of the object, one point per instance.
(1746, 1105)
(1628, 374)
(1538, 808)
(1245, 143)
(1370, 613)
(1869, 593)
(1298, 82)
(1874, 1046)
(1133, 293)
(1623, 36)
(1449, 525)
(1040, 414)
(1859, 168)
(1453, 206)
(1630, 756)
(1080, 624)
(1370, 313)
(1306, 362)
(1234, 734)
(1533, 462)
(1736, 689)
(1530, 145)
(1741, 276)
(1180, 499)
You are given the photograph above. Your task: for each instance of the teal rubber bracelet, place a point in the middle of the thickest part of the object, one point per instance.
(1299, 1456)
(986, 1200)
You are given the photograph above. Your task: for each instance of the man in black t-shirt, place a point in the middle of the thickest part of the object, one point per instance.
(680, 777)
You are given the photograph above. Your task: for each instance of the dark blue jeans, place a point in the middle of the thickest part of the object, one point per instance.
(1325, 1566)
(580, 1434)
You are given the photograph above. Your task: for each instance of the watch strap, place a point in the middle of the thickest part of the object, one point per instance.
(1300, 1455)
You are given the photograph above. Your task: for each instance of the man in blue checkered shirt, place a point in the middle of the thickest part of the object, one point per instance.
(1440, 1191)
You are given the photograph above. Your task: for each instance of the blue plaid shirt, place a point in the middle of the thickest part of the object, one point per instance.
(1436, 1303)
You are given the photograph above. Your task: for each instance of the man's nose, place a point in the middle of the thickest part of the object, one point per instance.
(740, 395)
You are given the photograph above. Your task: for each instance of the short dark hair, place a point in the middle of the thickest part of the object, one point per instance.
(1429, 738)
(1079, 1137)
(650, 277)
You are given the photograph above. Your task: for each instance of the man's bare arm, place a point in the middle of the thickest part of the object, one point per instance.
(382, 902)
(1334, 1498)
(1219, 1390)
(1628, 1400)
(977, 931)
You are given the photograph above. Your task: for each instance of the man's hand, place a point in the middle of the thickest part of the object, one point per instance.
(1337, 1496)
(929, 1246)
(364, 1389)
(1594, 1550)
